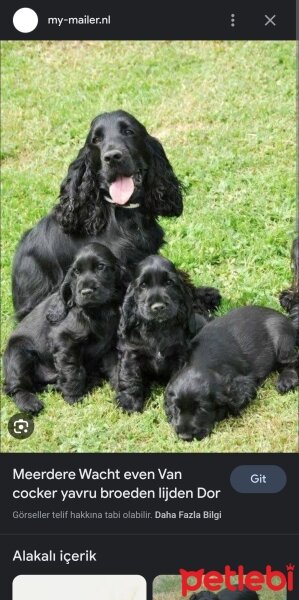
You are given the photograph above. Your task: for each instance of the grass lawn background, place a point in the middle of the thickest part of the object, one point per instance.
(225, 113)
(168, 587)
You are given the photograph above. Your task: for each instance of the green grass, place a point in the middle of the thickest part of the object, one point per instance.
(225, 113)
(167, 587)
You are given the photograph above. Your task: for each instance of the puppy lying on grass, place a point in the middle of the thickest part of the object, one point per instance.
(230, 358)
(69, 339)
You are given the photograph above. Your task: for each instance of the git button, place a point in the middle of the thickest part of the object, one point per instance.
(258, 479)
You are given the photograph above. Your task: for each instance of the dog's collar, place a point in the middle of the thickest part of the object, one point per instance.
(121, 205)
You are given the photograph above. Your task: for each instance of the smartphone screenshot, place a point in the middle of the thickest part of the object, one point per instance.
(149, 301)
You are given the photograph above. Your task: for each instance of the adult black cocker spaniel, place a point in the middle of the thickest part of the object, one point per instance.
(115, 189)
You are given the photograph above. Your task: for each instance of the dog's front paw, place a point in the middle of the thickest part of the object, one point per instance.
(236, 410)
(129, 404)
(71, 399)
(28, 402)
(287, 380)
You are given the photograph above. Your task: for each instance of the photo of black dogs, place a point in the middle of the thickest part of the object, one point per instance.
(156, 326)
(115, 189)
(231, 356)
(95, 300)
(69, 339)
(226, 594)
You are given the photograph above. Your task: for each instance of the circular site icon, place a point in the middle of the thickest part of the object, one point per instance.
(20, 426)
(25, 20)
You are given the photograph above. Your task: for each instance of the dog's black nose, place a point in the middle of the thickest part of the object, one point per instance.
(158, 307)
(113, 155)
(87, 291)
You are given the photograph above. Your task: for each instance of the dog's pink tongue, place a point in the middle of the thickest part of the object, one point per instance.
(121, 190)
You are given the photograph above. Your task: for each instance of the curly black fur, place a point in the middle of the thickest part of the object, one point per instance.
(69, 339)
(231, 357)
(156, 326)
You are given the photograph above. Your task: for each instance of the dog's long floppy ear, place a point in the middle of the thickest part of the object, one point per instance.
(186, 313)
(204, 300)
(124, 279)
(163, 193)
(220, 390)
(235, 392)
(78, 209)
(242, 389)
(128, 313)
(62, 302)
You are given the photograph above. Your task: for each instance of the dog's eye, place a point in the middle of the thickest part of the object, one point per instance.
(143, 285)
(76, 271)
(169, 282)
(97, 139)
(128, 131)
(100, 267)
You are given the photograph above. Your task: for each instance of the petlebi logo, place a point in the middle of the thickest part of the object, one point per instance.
(253, 580)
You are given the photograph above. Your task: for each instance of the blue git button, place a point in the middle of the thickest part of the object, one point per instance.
(258, 479)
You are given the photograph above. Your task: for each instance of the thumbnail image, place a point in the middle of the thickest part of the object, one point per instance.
(79, 587)
(150, 261)
(166, 587)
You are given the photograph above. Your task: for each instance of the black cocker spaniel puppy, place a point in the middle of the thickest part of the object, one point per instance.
(156, 325)
(226, 594)
(120, 182)
(231, 357)
(69, 339)
(289, 299)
